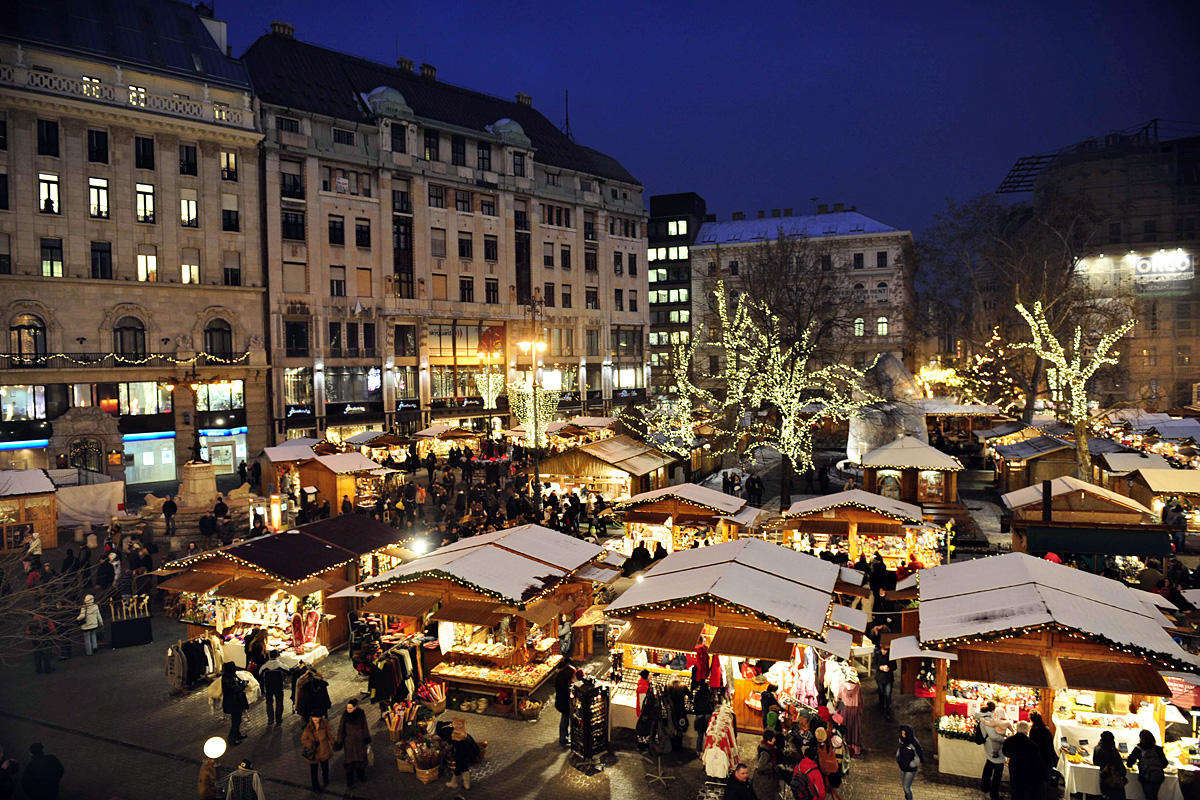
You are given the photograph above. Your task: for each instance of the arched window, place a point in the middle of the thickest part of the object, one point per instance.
(27, 338)
(218, 339)
(881, 326)
(129, 337)
(860, 293)
(881, 292)
(86, 453)
(860, 326)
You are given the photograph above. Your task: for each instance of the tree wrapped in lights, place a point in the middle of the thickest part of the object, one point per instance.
(490, 385)
(536, 406)
(1074, 365)
(988, 376)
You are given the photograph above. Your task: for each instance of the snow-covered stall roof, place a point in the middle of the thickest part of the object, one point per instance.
(595, 423)
(1136, 418)
(1065, 485)
(343, 463)
(515, 564)
(777, 584)
(948, 407)
(909, 452)
(1123, 463)
(288, 452)
(1003, 595)
(1028, 448)
(688, 493)
(363, 437)
(858, 498)
(1169, 481)
(1175, 429)
(748, 516)
(627, 454)
(16, 482)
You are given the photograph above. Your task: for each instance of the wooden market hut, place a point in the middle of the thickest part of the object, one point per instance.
(1019, 621)
(1073, 500)
(336, 476)
(529, 573)
(750, 598)
(1112, 470)
(619, 466)
(439, 438)
(913, 471)
(677, 509)
(957, 421)
(318, 558)
(858, 517)
(277, 461)
(27, 504)
(1042, 458)
(1153, 487)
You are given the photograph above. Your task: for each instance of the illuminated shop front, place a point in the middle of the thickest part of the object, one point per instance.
(149, 457)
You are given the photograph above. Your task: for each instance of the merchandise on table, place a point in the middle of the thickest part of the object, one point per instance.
(524, 677)
(956, 726)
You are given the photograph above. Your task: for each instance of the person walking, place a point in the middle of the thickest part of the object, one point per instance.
(42, 775)
(994, 731)
(466, 752)
(169, 509)
(244, 783)
(90, 616)
(765, 780)
(738, 787)
(562, 700)
(1024, 764)
(41, 632)
(1112, 767)
(1151, 763)
(909, 756)
(885, 675)
(354, 738)
(1043, 740)
(242, 471)
(317, 748)
(271, 675)
(233, 701)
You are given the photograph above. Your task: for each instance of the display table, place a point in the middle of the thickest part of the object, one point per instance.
(291, 660)
(1085, 778)
(1074, 733)
(130, 632)
(490, 687)
(960, 757)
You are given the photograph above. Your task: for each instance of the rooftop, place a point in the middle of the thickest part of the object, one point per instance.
(843, 223)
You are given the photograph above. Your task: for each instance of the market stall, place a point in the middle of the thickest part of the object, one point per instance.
(616, 467)
(723, 609)
(341, 476)
(27, 504)
(676, 516)
(1082, 650)
(504, 603)
(596, 428)
(281, 583)
(913, 471)
(1073, 500)
(438, 439)
(952, 424)
(1112, 470)
(1157, 487)
(279, 473)
(863, 523)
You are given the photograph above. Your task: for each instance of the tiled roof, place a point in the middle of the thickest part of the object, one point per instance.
(295, 74)
(157, 34)
(841, 223)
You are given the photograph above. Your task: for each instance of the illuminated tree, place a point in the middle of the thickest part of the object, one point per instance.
(490, 385)
(536, 406)
(1074, 365)
(990, 376)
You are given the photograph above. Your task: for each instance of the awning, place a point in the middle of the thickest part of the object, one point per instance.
(599, 574)
(198, 582)
(909, 647)
(541, 612)
(836, 642)
(853, 618)
(593, 616)
(991, 667)
(310, 586)
(662, 634)
(397, 604)
(253, 589)
(1110, 676)
(752, 643)
(1132, 541)
(469, 613)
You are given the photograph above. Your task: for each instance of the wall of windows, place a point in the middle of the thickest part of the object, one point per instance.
(143, 397)
(298, 386)
(20, 402)
(220, 396)
(352, 385)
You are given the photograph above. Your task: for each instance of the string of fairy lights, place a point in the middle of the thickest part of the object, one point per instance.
(536, 407)
(133, 361)
(490, 385)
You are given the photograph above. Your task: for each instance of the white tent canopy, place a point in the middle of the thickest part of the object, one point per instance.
(905, 512)
(15, 482)
(909, 452)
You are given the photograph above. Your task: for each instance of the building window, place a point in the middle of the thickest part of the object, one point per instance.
(401, 202)
(552, 179)
(618, 264)
(631, 258)
(137, 96)
(362, 233)
(458, 151)
(363, 275)
(591, 299)
(188, 212)
(97, 144)
(335, 339)
(437, 242)
(26, 338)
(52, 258)
(189, 265)
(229, 213)
(292, 225)
(102, 261)
(548, 294)
(881, 326)
(221, 112)
(734, 267)
(98, 198)
(466, 248)
(519, 165)
(231, 268)
(483, 156)
(145, 202)
(187, 159)
(462, 201)
(590, 261)
(520, 215)
(147, 263)
(491, 248)
(431, 146)
(466, 289)
(287, 124)
(437, 196)
(881, 292)
(218, 339)
(399, 138)
(881, 259)
(343, 136)
(619, 299)
(564, 256)
(48, 193)
(337, 230)
(47, 138)
(566, 296)
(405, 341)
(858, 260)
(860, 326)
(129, 337)
(337, 281)
(1149, 357)
(632, 300)
(368, 343)
(228, 165)
(291, 182)
(143, 152)
(3, 191)
(487, 205)
(295, 339)
(491, 291)
(548, 254)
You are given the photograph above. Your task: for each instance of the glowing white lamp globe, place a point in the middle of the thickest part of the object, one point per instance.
(214, 747)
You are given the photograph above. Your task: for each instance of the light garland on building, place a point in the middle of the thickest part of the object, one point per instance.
(132, 361)
(490, 385)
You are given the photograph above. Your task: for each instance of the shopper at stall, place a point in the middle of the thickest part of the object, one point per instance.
(738, 787)
(994, 730)
(90, 619)
(562, 699)
(1025, 772)
(807, 783)
(766, 767)
(909, 756)
(885, 675)
(770, 703)
(317, 748)
(311, 694)
(642, 689)
(466, 751)
(827, 759)
(1043, 740)
(1112, 767)
(233, 701)
(675, 700)
(702, 707)
(271, 675)
(1151, 764)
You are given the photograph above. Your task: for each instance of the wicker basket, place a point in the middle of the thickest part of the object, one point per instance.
(436, 708)
(531, 711)
(503, 709)
(427, 775)
(404, 765)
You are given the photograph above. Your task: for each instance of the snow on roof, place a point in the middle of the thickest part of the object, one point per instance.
(1188, 428)
(839, 223)
(948, 407)
(748, 517)
(628, 454)
(689, 493)
(1006, 429)
(790, 588)
(343, 463)
(15, 482)
(516, 563)
(599, 423)
(905, 512)
(1169, 481)
(1065, 485)
(1125, 462)
(300, 441)
(550, 427)
(1007, 593)
(1137, 418)
(910, 452)
(288, 452)
(1028, 448)
(363, 437)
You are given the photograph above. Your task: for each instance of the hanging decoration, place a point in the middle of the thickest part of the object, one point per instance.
(133, 361)
(490, 385)
(537, 406)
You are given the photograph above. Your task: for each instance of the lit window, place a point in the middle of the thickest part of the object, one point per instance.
(221, 112)
(145, 202)
(189, 267)
(681, 225)
(48, 193)
(881, 326)
(137, 96)
(860, 327)
(147, 263)
(672, 228)
(98, 198)
(683, 253)
(662, 254)
(90, 86)
(188, 217)
(650, 256)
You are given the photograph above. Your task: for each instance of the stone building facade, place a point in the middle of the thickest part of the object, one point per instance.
(130, 264)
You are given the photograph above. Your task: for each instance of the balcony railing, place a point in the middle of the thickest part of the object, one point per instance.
(9, 361)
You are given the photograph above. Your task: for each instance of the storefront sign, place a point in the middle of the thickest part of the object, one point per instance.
(294, 411)
(1163, 266)
(471, 402)
(350, 409)
(406, 405)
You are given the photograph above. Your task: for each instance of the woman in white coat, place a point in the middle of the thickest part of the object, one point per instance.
(89, 615)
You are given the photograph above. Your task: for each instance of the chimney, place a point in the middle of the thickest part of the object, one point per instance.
(405, 65)
(283, 29)
(837, 207)
(787, 212)
(738, 216)
(710, 217)
(762, 214)
(1047, 502)
(822, 208)
(524, 99)
(429, 71)
(775, 213)
(854, 208)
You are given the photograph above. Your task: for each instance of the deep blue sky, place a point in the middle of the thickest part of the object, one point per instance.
(889, 106)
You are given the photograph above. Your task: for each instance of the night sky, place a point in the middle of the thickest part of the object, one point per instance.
(889, 106)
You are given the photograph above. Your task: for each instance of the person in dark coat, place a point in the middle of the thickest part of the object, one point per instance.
(675, 698)
(638, 559)
(233, 700)
(1112, 767)
(353, 736)
(1151, 763)
(562, 699)
(169, 509)
(220, 510)
(42, 775)
(312, 695)
(208, 528)
(738, 786)
(660, 552)
(702, 707)
(1043, 740)
(466, 751)
(885, 676)
(1025, 770)
(271, 676)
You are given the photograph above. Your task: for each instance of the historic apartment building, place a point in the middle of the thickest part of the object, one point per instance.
(675, 220)
(1149, 188)
(416, 232)
(130, 264)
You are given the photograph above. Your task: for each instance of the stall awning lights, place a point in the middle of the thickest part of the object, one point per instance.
(146, 437)
(24, 444)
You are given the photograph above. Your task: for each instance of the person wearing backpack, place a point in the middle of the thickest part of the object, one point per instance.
(1112, 768)
(1151, 763)
(807, 782)
(827, 760)
(909, 756)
